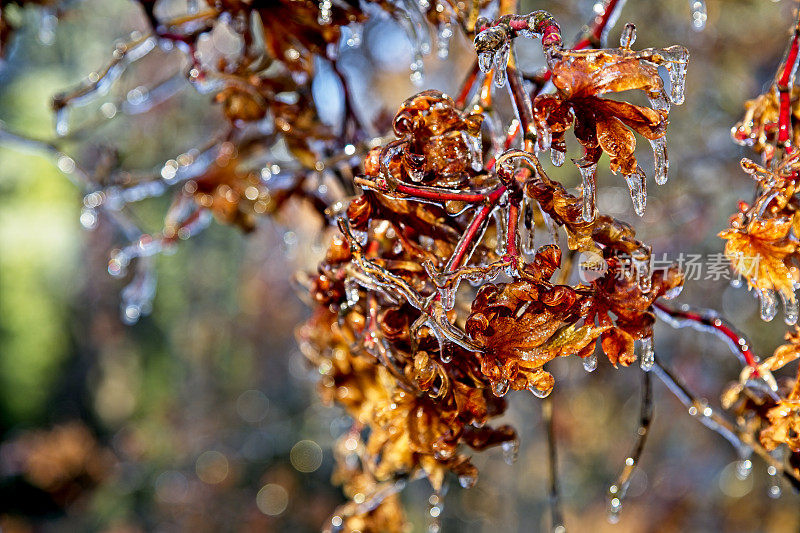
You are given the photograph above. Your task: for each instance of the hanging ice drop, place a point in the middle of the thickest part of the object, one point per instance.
(485, 60)
(791, 309)
(637, 185)
(769, 304)
(500, 64)
(676, 58)
(590, 362)
(660, 157)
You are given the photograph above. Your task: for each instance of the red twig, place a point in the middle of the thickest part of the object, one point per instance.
(600, 26)
(720, 327)
(467, 86)
(784, 84)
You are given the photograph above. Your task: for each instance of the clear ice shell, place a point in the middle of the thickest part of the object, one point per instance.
(676, 58)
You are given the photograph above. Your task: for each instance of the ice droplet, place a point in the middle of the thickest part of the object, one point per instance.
(510, 451)
(637, 185)
(628, 36)
(485, 61)
(791, 309)
(744, 468)
(500, 387)
(589, 179)
(500, 64)
(676, 59)
(590, 362)
(660, 157)
(647, 356)
(539, 393)
(769, 304)
(699, 14)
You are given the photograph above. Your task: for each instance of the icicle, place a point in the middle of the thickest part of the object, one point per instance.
(642, 266)
(475, 145)
(699, 14)
(557, 157)
(137, 296)
(485, 60)
(500, 64)
(660, 157)
(647, 356)
(501, 218)
(528, 225)
(325, 12)
(443, 36)
(590, 362)
(417, 70)
(676, 58)
(637, 185)
(769, 304)
(589, 178)
(510, 451)
(628, 36)
(435, 508)
(791, 309)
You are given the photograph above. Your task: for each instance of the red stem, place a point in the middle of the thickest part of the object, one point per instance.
(511, 234)
(467, 86)
(721, 327)
(784, 84)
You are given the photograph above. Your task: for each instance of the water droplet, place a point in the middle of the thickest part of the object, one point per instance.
(540, 393)
(699, 14)
(660, 157)
(744, 468)
(89, 218)
(769, 304)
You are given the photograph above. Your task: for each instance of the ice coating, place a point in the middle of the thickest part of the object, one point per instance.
(647, 354)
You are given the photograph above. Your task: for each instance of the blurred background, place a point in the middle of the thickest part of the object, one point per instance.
(203, 415)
